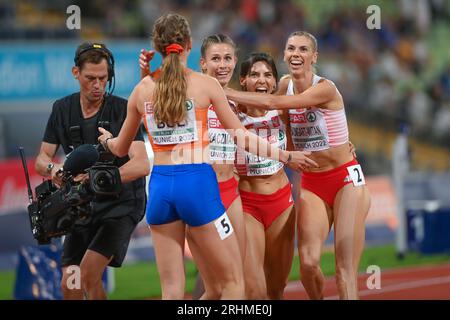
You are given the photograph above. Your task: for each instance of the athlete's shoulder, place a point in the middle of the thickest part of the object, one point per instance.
(285, 78)
(330, 90)
(197, 76)
(328, 82)
(146, 82)
(321, 79)
(283, 84)
(144, 88)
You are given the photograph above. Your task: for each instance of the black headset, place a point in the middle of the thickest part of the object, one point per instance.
(110, 60)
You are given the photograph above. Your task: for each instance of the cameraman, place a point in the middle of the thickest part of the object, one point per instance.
(74, 120)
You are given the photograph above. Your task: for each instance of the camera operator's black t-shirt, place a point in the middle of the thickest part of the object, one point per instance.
(58, 132)
(89, 129)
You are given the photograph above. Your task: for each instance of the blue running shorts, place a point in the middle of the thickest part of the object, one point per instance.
(188, 192)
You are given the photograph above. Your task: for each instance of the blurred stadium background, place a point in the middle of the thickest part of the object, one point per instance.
(395, 82)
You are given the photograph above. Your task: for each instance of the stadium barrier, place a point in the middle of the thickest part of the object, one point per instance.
(428, 225)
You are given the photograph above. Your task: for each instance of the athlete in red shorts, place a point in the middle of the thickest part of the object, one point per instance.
(265, 190)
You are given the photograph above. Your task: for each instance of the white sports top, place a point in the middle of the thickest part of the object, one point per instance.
(221, 144)
(269, 127)
(315, 128)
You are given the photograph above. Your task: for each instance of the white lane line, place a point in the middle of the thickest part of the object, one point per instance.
(292, 287)
(401, 286)
(296, 286)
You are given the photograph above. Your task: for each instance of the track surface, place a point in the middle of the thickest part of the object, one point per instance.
(408, 283)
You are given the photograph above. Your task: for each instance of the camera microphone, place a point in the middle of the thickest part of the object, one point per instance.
(80, 159)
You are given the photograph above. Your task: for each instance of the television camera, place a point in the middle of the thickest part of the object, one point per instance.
(55, 210)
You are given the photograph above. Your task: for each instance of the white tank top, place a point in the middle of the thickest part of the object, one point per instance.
(269, 127)
(315, 128)
(221, 144)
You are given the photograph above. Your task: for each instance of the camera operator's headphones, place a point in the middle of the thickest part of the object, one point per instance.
(110, 60)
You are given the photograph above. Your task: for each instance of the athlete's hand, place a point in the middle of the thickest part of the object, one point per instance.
(105, 135)
(144, 62)
(298, 160)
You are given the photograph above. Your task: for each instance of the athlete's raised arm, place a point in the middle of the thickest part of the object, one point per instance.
(247, 140)
(319, 94)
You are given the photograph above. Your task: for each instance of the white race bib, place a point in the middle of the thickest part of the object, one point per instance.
(269, 127)
(221, 144)
(224, 226)
(163, 134)
(261, 166)
(308, 129)
(356, 175)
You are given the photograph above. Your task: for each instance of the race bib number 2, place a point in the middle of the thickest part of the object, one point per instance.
(356, 175)
(224, 226)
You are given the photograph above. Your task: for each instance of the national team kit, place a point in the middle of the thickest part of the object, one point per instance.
(190, 192)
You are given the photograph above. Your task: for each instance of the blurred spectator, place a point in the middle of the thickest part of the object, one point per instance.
(419, 113)
(442, 124)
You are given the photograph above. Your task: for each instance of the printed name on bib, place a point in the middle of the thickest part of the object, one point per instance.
(164, 134)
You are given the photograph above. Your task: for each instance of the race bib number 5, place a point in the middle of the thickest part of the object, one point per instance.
(224, 226)
(356, 175)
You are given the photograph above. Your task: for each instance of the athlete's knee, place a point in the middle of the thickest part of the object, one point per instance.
(212, 291)
(211, 295)
(345, 272)
(309, 262)
(256, 290)
(275, 292)
(237, 288)
(276, 282)
(233, 281)
(275, 295)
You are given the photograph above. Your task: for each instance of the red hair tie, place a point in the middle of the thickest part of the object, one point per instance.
(174, 48)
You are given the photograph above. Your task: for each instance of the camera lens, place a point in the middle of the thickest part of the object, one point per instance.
(103, 180)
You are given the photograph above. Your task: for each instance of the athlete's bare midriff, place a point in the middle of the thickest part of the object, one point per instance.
(263, 184)
(182, 155)
(223, 171)
(331, 158)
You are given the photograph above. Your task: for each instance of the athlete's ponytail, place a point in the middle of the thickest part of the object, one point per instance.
(171, 35)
